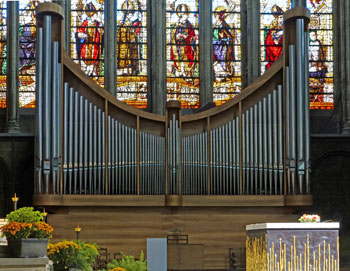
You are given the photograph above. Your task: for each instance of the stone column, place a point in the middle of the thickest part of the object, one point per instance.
(205, 52)
(110, 73)
(341, 43)
(298, 3)
(250, 27)
(66, 5)
(12, 116)
(156, 62)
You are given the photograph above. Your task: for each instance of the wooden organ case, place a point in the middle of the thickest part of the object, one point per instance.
(124, 174)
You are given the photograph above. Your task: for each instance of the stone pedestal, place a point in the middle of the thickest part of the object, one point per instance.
(292, 246)
(24, 264)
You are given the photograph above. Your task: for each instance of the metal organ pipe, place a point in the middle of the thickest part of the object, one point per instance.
(39, 110)
(47, 101)
(300, 58)
(292, 107)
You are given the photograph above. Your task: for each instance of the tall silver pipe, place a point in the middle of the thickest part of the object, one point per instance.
(86, 142)
(265, 148)
(238, 157)
(125, 160)
(275, 139)
(94, 151)
(177, 144)
(214, 180)
(59, 125)
(260, 144)
(103, 153)
(65, 136)
(307, 116)
(234, 158)
(244, 152)
(251, 139)
(142, 153)
(292, 130)
(269, 139)
(116, 155)
(39, 111)
(81, 143)
(288, 125)
(300, 71)
(205, 182)
(247, 126)
(280, 137)
(70, 140)
(90, 151)
(54, 120)
(47, 101)
(184, 181)
(110, 140)
(211, 160)
(170, 165)
(99, 153)
(220, 162)
(256, 149)
(226, 158)
(230, 157)
(75, 141)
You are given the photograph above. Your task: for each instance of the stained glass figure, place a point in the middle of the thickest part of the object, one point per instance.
(226, 49)
(321, 54)
(182, 52)
(3, 33)
(87, 30)
(27, 53)
(132, 52)
(271, 33)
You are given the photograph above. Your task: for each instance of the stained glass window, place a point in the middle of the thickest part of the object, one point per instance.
(271, 30)
(182, 52)
(87, 29)
(132, 52)
(27, 37)
(3, 38)
(226, 49)
(321, 54)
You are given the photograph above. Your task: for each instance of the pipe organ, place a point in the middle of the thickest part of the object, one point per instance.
(87, 142)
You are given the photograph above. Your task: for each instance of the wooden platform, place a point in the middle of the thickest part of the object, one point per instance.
(122, 223)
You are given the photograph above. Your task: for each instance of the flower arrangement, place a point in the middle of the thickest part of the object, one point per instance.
(26, 223)
(309, 218)
(128, 263)
(78, 253)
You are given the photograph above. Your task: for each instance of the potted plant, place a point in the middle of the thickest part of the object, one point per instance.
(128, 263)
(27, 235)
(72, 255)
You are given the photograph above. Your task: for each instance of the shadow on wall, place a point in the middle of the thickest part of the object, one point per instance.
(331, 193)
(5, 201)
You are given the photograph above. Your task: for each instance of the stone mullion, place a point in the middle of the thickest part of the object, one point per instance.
(205, 52)
(156, 60)
(110, 73)
(12, 104)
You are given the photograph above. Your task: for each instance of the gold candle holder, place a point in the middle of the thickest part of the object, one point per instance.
(45, 215)
(77, 230)
(15, 200)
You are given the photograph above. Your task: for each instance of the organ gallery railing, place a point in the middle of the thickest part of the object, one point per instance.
(87, 142)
